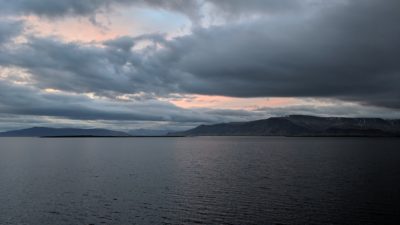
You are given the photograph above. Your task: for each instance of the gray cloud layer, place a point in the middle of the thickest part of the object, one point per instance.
(9, 29)
(191, 8)
(349, 51)
(84, 8)
(21, 100)
(346, 50)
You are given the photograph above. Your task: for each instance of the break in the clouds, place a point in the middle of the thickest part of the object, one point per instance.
(342, 51)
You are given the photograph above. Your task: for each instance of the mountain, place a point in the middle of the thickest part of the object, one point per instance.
(299, 125)
(54, 132)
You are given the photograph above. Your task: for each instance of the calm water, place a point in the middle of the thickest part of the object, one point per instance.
(205, 180)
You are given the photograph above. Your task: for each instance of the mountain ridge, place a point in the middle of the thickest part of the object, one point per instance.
(53, 132)
(301, 125)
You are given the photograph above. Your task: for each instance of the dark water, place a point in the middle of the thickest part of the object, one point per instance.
(208, 180)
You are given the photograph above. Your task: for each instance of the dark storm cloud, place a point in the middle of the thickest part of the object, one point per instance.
(239, 7)
(345, 50)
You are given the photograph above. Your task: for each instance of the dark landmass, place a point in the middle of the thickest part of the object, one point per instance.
(63, 132)
(302, 126)
(91, 136)
(149, 132)
(290, 126)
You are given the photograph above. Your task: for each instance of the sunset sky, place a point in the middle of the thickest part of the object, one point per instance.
(154, 64)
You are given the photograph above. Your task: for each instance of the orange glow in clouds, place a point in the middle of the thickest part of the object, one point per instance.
(205, 101)
(78, 29)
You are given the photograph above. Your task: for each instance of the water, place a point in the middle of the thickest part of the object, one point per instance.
(204, 180)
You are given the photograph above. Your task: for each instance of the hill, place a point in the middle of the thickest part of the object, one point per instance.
(299, 125)
(53, 132)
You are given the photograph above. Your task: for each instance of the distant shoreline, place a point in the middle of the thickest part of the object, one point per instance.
(237, 136)
(310, 136)
(90, 136)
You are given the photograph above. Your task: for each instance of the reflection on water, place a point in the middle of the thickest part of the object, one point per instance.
(204, 180)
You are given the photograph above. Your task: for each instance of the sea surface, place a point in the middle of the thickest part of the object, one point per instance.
(199, 180)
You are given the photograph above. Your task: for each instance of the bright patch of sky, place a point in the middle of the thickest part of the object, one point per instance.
(131, 21)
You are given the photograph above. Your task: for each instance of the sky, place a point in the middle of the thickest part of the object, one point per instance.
(176, 64)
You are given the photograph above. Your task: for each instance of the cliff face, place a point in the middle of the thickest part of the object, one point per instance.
(297, 125)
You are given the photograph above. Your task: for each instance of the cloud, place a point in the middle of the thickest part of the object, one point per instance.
(237, 8)
(17, 99)
(89, 8)
(22, 100)
(73, 66)
(123, 43)
(193, 9)
(108, 70)
(348, 50)
(51, 8)
(9, 29)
